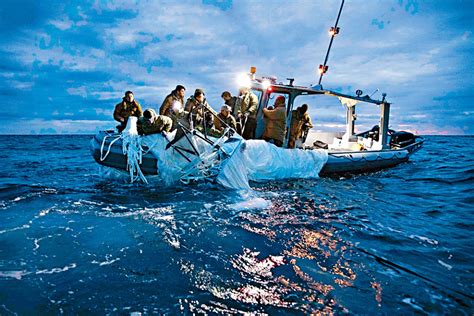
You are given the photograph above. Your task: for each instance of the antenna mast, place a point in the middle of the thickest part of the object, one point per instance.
(332, 31)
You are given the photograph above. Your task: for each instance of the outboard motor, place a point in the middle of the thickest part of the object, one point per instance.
(402, 139)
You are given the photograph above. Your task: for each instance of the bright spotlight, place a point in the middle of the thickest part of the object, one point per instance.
(243, 80)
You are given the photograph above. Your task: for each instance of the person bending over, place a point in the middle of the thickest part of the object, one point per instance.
(151, 123)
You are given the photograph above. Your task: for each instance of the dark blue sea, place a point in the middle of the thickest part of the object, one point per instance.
(398, 241)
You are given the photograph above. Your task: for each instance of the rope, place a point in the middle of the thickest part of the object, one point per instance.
(131, 146)
(207, 165)
(102, 157)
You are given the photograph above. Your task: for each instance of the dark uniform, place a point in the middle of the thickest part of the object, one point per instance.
(124, 110)
(234, 103)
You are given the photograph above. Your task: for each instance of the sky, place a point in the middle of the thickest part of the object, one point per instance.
(65, 64)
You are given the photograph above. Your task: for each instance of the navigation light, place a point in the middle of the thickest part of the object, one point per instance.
(322, 69)
(266, 84)
(333, 31)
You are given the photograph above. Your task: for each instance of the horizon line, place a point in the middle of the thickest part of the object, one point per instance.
(92, 134)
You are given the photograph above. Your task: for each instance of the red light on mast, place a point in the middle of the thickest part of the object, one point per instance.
(323, 69)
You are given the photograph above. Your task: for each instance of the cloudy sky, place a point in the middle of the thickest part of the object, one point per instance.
(65, 64)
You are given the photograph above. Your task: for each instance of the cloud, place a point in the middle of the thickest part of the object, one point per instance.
(81, 91)
(63, 24)
(78, 60)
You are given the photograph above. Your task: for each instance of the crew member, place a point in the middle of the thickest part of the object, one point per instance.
(224, 119)
(174, 102)
(232, 102)
(248, 112)
(275, 122)
(173, 106)
(151, 123)
(128, 107)
(300, 124)
(196, 106)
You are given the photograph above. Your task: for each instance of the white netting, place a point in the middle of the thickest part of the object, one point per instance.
(229, 162)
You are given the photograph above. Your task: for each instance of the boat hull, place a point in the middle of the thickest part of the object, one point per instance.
(109, 153)
(361, 162)
(354, 162)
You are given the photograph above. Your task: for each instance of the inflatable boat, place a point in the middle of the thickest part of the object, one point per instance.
(200, 157)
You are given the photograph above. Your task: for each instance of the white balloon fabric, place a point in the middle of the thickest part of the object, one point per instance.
(244, 160)
(261, 161)
(267, 162)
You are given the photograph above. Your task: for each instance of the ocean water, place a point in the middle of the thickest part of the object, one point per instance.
(398, 241)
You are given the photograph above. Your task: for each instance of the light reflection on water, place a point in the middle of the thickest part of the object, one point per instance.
(312, 262)
(393, 241)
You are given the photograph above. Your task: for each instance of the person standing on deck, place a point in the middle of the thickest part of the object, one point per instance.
(232, 102)
(128, 107)
(248, 113)
(275, 126)
(300, 122)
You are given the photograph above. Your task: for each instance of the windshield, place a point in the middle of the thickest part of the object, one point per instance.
(259, 94)
(274, 96)
(326, 112)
